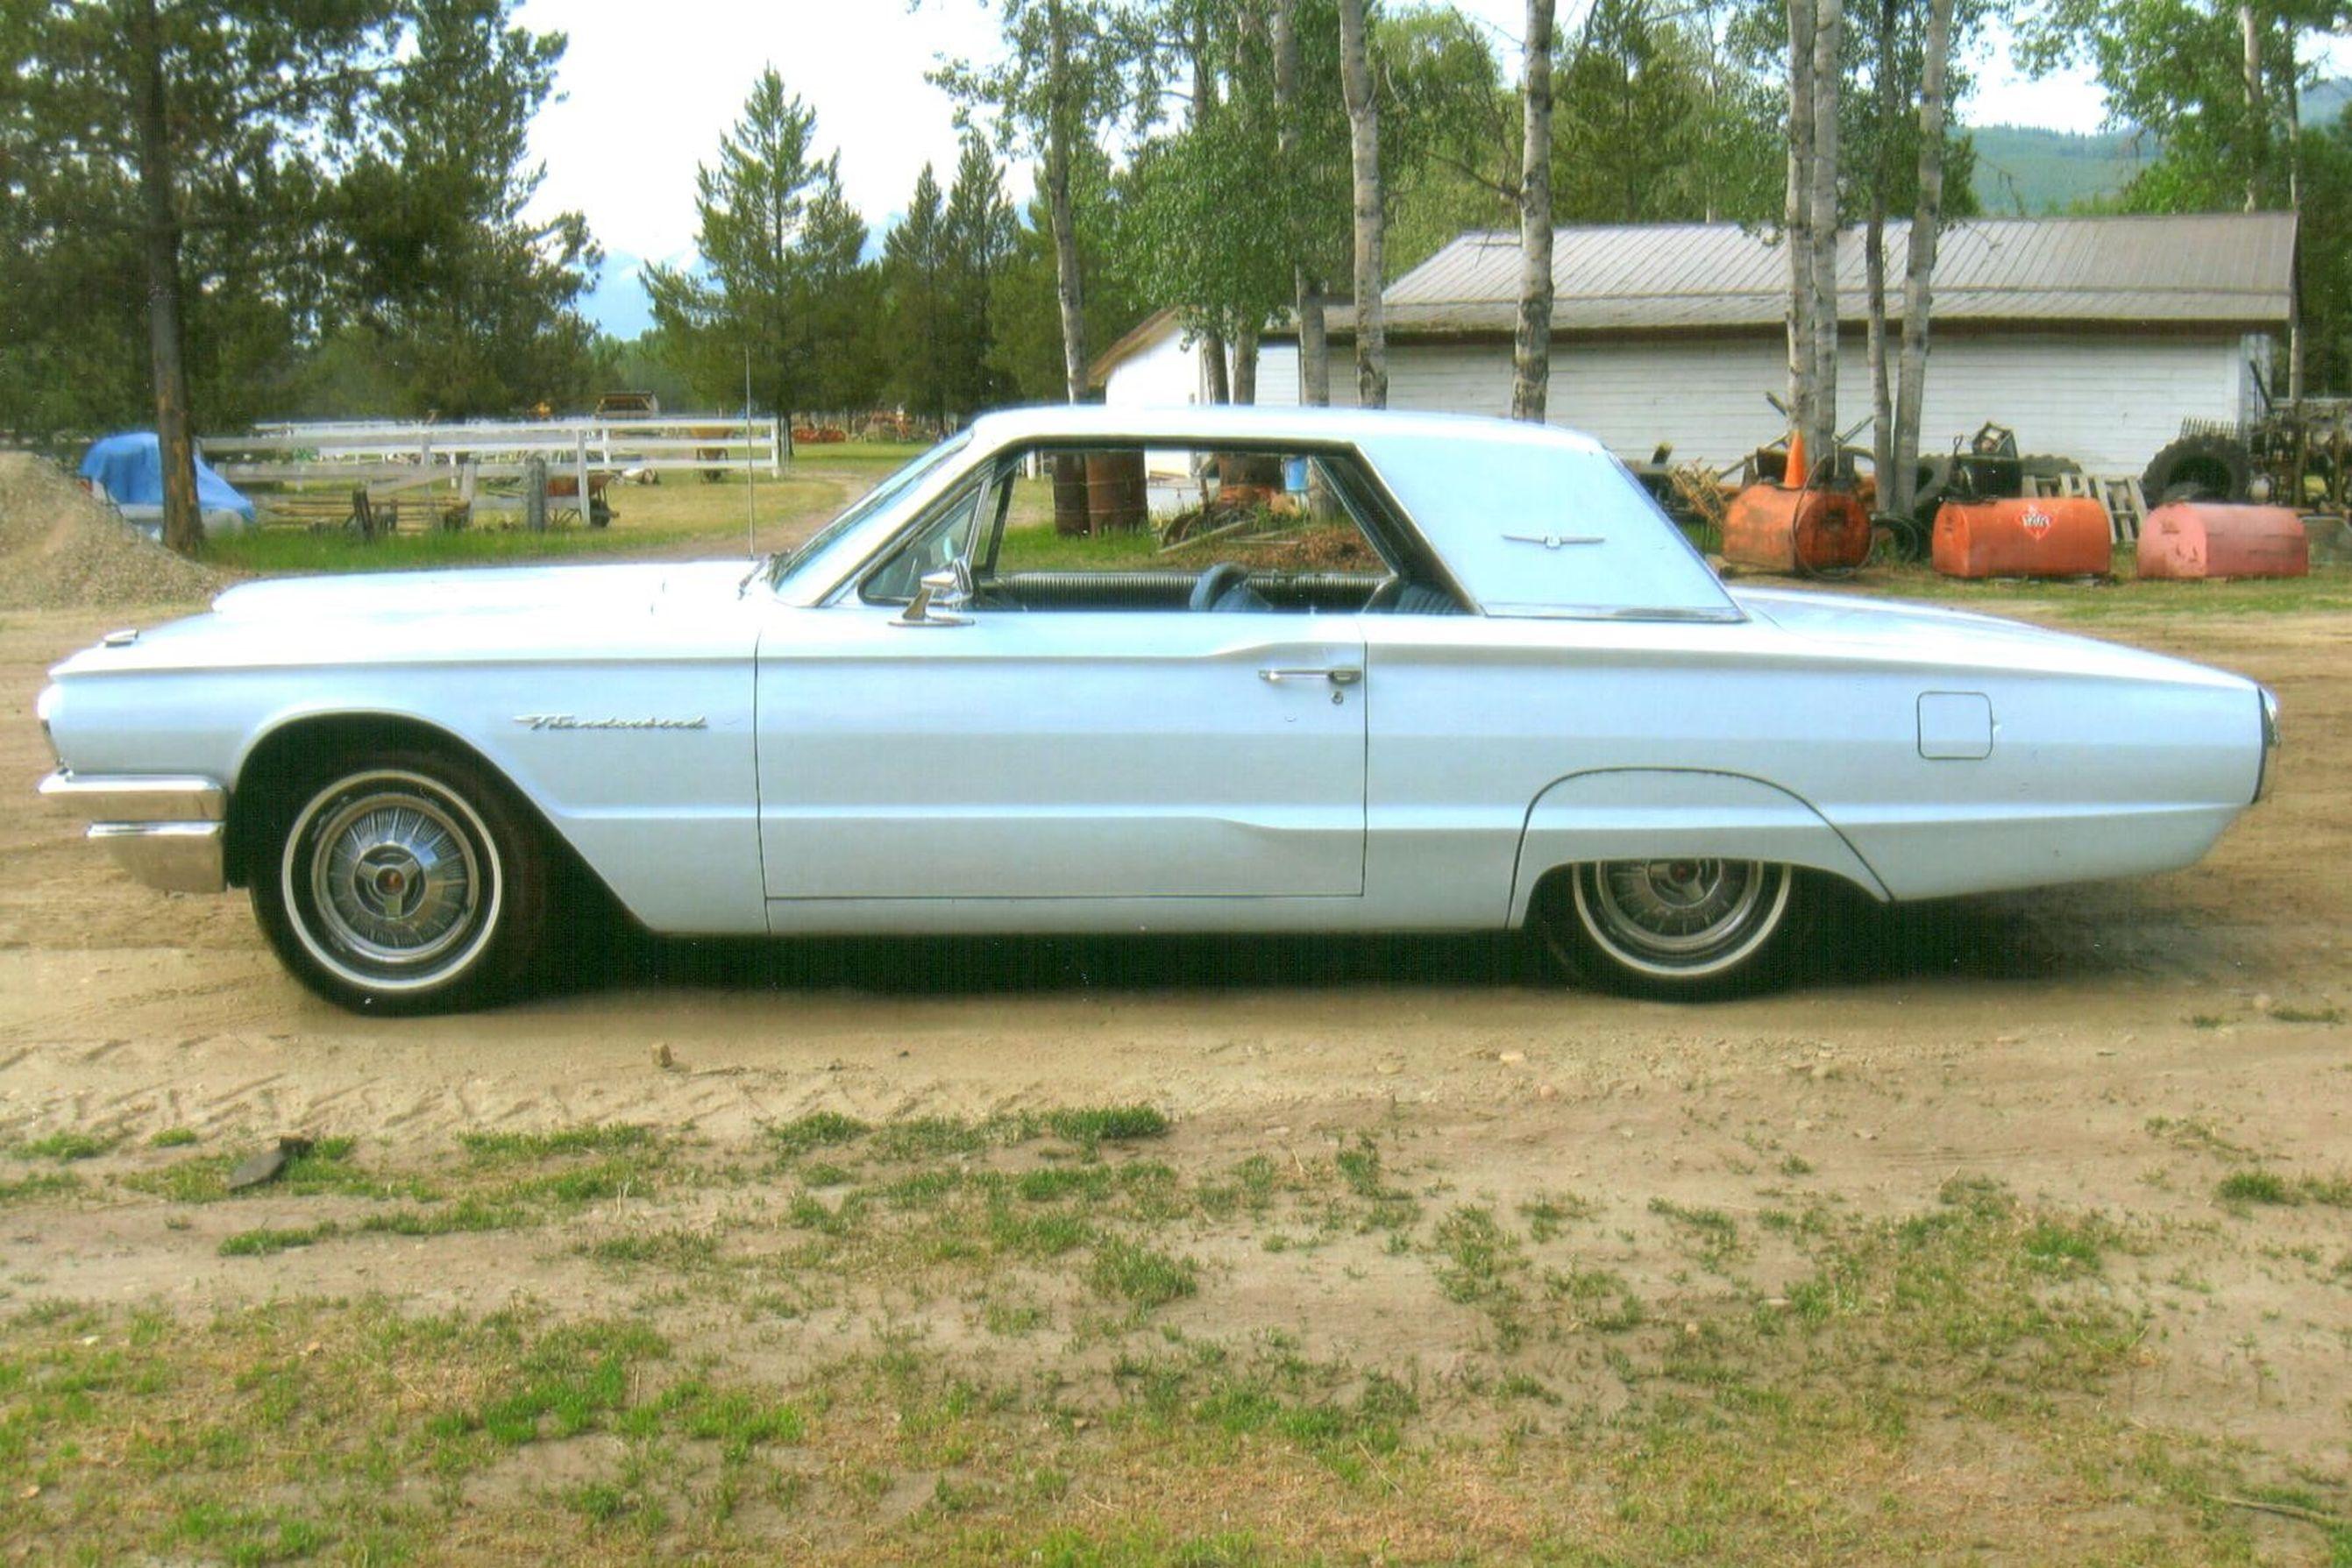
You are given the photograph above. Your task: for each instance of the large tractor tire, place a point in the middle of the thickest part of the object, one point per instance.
(2207, 467)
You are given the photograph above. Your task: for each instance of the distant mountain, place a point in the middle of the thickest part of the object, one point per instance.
(2025, 169)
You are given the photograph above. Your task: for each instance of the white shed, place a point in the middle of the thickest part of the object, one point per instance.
(2091, 337)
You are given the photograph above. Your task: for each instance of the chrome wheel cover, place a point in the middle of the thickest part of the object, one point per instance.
(392, 880)
(1684, 918)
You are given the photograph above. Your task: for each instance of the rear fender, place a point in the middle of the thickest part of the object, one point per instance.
(1651, 813)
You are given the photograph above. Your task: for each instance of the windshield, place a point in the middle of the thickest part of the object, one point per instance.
(867, 505)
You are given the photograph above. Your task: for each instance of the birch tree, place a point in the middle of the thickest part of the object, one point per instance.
(1063, 76)
(1926, 220)
(1828, 74)
(1796, 223)
(1364, 161)
(1531, 343)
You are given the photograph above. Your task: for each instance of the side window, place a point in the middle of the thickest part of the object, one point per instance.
(946, 536)
(1184, 529)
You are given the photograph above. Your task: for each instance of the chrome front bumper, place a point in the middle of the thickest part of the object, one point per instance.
(166, 831)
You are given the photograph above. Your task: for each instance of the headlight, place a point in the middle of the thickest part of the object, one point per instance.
(2270, 740)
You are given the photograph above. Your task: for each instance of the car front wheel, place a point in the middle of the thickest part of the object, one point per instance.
(1683, 927)
(406, 884)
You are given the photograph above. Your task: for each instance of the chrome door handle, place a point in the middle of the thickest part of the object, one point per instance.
(1338, 674)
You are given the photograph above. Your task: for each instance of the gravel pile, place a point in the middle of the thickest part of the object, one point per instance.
(60, 547)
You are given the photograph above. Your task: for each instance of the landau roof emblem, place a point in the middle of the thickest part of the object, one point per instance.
(570, 721)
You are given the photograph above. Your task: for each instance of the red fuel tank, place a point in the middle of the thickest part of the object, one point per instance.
(2041, 536)
(2191, 538)
(1795, 531)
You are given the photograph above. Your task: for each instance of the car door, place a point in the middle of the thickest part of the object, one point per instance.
(1085, 755)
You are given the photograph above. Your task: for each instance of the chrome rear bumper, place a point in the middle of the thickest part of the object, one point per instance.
(166, 831)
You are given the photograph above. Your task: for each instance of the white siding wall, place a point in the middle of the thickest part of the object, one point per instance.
(1167, 374)
(2107, 402)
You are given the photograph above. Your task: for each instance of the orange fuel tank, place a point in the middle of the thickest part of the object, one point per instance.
(2038, 536)
(1795, 531)
(2190, 538)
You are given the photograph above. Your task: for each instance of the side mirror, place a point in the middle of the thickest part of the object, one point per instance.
(940, 596)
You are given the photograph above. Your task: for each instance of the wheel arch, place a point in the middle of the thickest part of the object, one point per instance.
(267, 773)
(1650, 813)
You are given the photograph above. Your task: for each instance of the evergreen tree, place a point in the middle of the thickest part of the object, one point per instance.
(737, 306)
(981, 232)
(918, 281)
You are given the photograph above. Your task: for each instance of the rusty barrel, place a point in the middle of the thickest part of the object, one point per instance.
(2195, 540)
(2033, 536)
(1796, 530)
(1116, 501)
(1070, 494)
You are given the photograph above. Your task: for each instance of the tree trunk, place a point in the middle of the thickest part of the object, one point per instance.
(1364, 157)
(1796, 217)
(1314, 345)
(2250, 29)
(1214, 381)
(1314, 348)
(1829, 17)
(1245, 366)
(1531, 344)
(183, 528)
(1920, 263)
(1882, 389)
(1059, 137)
(2294, 204)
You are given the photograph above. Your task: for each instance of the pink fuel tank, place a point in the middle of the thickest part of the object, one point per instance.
(2195, 539)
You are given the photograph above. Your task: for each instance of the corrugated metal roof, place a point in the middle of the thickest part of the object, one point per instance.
(2222, 267)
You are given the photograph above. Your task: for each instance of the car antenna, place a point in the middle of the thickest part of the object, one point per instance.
(751, 472)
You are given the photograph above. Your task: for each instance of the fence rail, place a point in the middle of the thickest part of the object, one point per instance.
(410, 454)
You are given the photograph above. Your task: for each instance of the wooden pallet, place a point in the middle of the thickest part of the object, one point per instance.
(2118, 493)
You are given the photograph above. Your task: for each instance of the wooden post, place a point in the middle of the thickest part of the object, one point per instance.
(579, 472)
(534, 495)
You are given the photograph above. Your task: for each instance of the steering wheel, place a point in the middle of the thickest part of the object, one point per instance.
(1216, 582)
(1385, 597)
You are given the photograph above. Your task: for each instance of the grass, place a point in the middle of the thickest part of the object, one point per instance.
(65, 1146)
(265, 1240)
(673, 513)
(1017, 1338)
(2328, 589)
(2266, 1187)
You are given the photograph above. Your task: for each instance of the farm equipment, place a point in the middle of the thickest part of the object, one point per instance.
(2296, 454)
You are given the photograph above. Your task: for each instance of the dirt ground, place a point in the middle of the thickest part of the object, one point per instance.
(2116, 1048)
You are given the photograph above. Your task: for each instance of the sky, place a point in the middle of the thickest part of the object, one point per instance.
(650, 85)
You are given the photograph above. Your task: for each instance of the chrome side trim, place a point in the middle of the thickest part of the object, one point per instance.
(135, 798)
(175, 857)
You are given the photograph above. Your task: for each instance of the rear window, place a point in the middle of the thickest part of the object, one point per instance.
(1544, 526)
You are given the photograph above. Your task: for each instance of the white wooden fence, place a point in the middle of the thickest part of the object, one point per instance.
(398, 455)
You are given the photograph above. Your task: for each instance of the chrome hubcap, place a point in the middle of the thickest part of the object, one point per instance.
(1683, 916)
(395, 877)
(1678, 906)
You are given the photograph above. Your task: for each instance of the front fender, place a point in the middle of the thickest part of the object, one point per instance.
(1651, 813)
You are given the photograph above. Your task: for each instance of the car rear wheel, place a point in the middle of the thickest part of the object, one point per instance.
(407, 883)
(1682, 927)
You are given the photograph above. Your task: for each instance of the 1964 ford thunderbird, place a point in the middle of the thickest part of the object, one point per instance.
(1363, 672)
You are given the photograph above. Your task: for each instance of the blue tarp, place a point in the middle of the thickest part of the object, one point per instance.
(129, 467)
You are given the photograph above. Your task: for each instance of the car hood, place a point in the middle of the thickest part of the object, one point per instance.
(494, 613)
(502, 590)
(1957, 639)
